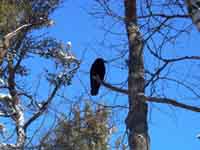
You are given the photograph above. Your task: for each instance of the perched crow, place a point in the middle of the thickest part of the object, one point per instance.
(97, 69)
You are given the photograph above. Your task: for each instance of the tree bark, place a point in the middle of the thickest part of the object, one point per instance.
(136, 120)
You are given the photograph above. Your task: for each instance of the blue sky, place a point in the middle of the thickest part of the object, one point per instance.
(169, 127)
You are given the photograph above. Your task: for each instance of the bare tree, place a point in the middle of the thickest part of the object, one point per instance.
(152, 27)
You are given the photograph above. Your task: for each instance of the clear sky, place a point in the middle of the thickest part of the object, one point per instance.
(170, 128)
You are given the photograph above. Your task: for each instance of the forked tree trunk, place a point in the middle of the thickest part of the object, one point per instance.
(136, 120)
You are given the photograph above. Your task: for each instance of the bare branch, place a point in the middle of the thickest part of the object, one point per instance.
(157, 73)
(173, 103)
(182, 58)
(114, 88)
(43, 107)
(181, 16)
(109, 86)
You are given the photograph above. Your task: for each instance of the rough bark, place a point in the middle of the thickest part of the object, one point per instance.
(136, 120)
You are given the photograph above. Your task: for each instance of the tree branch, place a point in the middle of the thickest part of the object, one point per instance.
(109, 86)
(164, 16)
(9, 36)
(182, 58)
(18, 117)
(114, 88)
(173, 103)
(43, 107)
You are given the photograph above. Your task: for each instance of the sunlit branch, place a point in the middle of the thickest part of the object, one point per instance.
(9, 36)
(18, 117)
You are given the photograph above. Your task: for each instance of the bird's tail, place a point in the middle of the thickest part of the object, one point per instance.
(94, 91)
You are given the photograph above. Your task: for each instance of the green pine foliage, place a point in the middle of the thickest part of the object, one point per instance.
(85, 130)
(11, 15)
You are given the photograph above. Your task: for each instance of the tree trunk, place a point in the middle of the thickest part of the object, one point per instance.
(136, 120)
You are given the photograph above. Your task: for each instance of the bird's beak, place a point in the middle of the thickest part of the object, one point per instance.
(105, 61)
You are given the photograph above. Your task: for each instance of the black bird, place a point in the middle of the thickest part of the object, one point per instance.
(97, 69)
